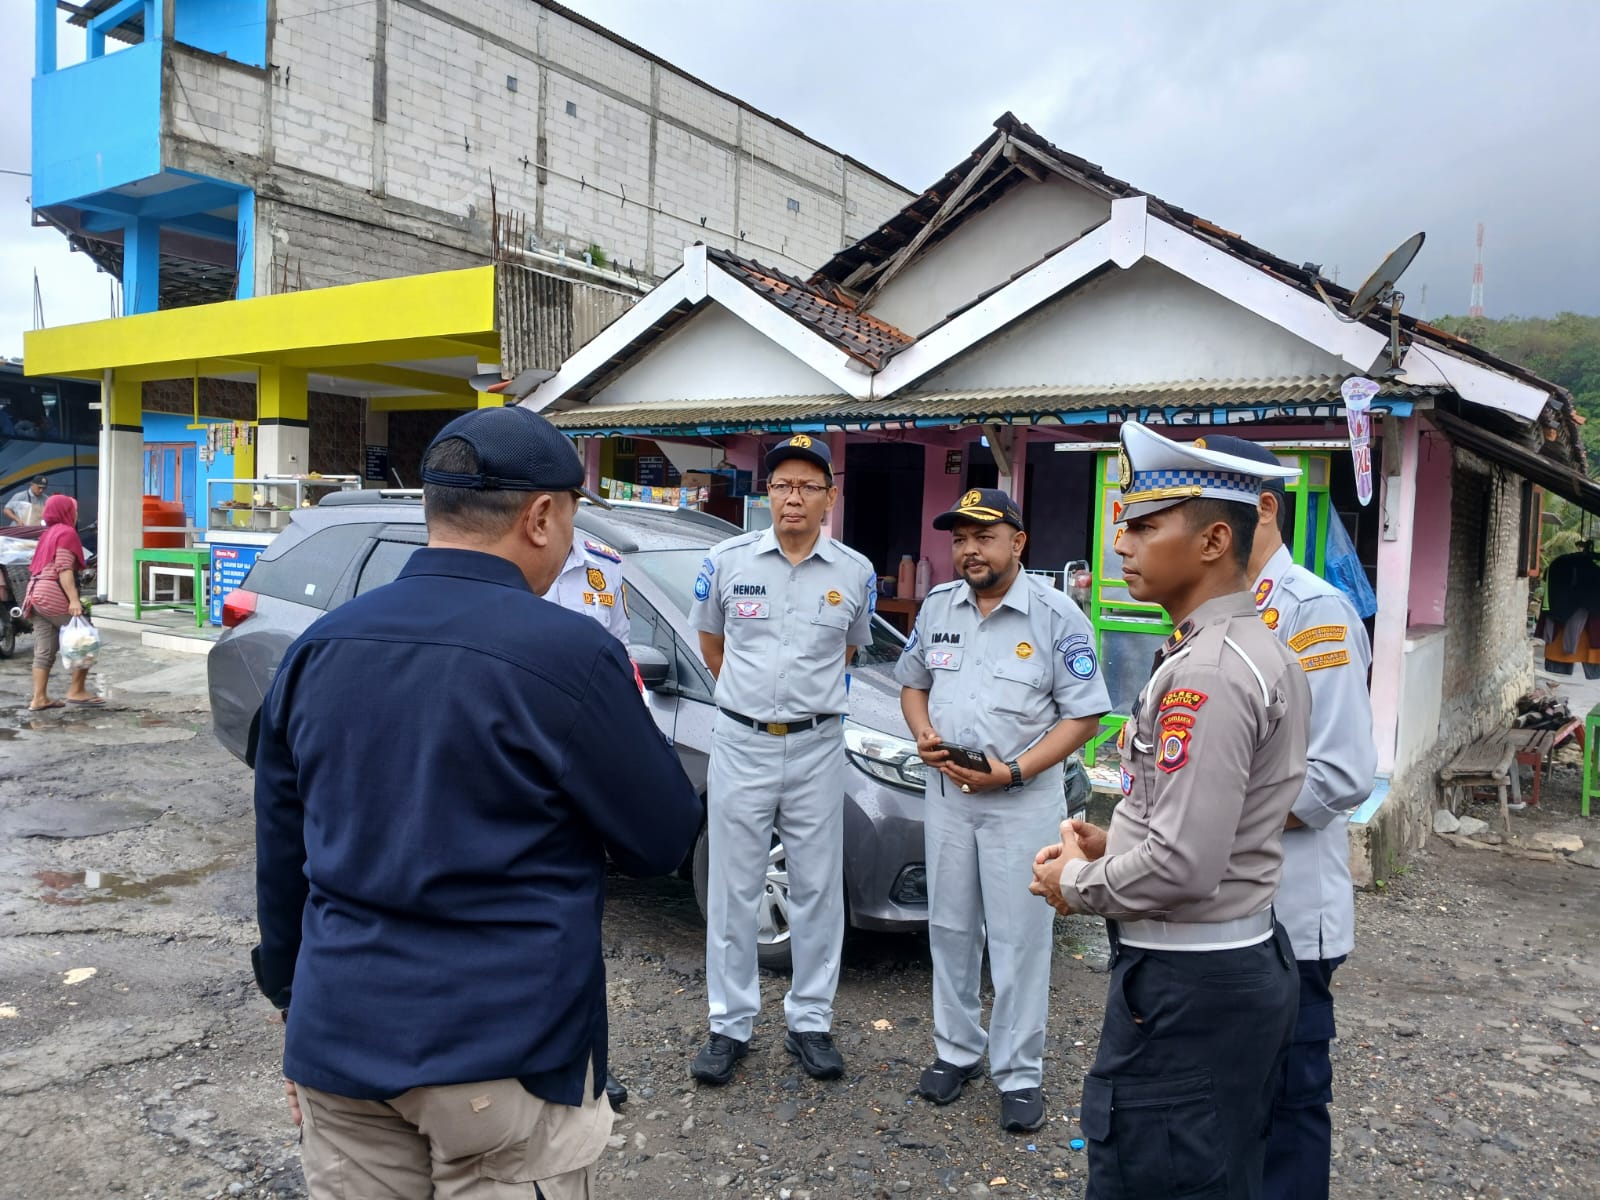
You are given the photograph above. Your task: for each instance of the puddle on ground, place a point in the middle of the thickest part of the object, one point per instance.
(73, 888)
(9, 735)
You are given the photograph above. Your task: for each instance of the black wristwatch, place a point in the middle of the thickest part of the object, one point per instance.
(1016, 777)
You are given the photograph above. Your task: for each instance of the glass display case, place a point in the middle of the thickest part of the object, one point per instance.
(265, 505)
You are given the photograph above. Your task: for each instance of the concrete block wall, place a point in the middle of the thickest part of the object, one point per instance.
(322, 93)
(1488, 659)
(213, 101)
(393, 115)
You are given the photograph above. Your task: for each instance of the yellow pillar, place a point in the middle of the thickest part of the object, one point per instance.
(491, 400)
(283, 433)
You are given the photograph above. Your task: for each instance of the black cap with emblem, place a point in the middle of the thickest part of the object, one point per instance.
(518, 451)
(982, 506)
(802, 445)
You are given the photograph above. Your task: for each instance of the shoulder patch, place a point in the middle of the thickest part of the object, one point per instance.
(601, 550)
(911, 642)
(1077, 655)
(1174, 753)
(1318, 633)
(1263, 590)
(1319, 662)
(1183, 698)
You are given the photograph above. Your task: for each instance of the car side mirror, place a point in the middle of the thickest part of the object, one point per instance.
(655, 670)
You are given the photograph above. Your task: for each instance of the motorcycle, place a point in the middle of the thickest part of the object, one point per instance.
(14, 583)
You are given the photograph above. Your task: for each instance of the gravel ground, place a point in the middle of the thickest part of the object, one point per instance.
(136, 1058)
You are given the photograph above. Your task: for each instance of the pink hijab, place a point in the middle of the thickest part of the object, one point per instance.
(60, 530)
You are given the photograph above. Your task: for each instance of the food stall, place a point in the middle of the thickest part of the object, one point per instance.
(244, 515)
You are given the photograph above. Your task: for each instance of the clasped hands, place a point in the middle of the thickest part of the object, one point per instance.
(1079, 839)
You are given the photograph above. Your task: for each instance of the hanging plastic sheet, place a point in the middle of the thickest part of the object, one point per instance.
(1344, 570)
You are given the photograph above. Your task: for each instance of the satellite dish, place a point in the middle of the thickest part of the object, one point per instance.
(1380, 284)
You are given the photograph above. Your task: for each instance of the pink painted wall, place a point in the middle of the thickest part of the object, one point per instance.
(1430, 548)
(939, 494)
(591, 463)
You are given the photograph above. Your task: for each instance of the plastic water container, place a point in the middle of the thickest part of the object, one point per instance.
(905, 583)
(924, 578)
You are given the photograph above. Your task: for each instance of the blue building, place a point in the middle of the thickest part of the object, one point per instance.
(105, 175)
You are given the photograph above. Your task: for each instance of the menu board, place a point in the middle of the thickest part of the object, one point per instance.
(229, 566)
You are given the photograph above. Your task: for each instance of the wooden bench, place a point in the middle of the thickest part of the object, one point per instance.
(1533, 748)
(1483, 763)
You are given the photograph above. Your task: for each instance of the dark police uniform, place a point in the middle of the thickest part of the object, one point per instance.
(444, 766)
(1203, 990)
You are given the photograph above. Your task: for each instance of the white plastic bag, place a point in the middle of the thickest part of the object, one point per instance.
(80, 644)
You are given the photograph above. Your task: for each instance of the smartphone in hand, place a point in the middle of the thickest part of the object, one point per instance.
(972, 760)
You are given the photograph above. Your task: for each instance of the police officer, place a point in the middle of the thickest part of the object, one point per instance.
(1002, 663)
(780, 612)
(1316, 902)
(591, 583)
(1203, 989)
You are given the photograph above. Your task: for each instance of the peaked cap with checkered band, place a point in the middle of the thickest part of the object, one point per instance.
(1155, 472)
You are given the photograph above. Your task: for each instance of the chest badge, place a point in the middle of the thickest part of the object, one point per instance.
(597, 579)
(750, 609)
(1024, 650)
(1270, 616)
(941, 660)
(835, 598)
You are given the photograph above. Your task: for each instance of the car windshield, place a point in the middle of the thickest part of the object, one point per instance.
(674, 571)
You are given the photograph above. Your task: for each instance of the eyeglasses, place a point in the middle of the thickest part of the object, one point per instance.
(782, 491)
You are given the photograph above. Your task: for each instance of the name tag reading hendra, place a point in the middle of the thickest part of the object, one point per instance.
(748, 609)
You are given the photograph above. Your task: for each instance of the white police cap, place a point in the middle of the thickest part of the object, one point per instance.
(1156, 472)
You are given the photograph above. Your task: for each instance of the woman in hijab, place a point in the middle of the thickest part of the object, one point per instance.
(53, 599)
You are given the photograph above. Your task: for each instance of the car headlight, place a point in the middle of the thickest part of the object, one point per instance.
(885, 757)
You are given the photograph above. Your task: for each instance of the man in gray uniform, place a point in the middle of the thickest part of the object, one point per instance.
(591, 583)
(1316, 902)
(1203, 989)
(780, 613)
(1002, 663)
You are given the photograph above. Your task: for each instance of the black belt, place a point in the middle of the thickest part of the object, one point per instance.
(778, 728)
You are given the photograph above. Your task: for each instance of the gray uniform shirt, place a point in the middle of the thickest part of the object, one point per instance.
(785, 625)
(1314, 619)
(591, 583)
(1000, 683)
(1213, 757)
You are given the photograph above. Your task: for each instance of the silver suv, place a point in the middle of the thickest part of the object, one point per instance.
(355, 541)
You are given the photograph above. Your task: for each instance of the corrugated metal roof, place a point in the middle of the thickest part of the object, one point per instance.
(1046, 405)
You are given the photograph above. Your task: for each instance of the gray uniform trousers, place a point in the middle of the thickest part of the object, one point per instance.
(793, 785)
(980, 851)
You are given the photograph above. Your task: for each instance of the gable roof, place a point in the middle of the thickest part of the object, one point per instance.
(821, 308)
(1015, 154)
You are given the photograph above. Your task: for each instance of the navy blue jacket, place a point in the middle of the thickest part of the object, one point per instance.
(443, 765)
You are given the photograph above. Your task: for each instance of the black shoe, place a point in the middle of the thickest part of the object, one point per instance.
(714, 1063)
(1021, 1111)
(816, 1053)
(942, 1082)
(615, 1092)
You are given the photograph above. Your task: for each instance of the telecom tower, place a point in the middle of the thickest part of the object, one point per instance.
(1475, 309)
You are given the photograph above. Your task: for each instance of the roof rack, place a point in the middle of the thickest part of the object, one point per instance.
(372, 496)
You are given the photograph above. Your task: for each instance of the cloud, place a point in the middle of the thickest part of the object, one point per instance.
(1323, 132)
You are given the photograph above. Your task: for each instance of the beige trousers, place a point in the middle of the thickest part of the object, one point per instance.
(466, 1141)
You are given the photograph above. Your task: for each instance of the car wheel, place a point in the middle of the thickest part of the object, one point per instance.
(8, 640)
(772, 932)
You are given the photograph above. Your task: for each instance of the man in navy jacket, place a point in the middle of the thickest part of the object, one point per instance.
(443, 766)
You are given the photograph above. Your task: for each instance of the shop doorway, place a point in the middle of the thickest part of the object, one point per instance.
(1058, 505)
(883, 502)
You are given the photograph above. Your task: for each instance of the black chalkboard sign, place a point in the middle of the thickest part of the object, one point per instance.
(377, 467)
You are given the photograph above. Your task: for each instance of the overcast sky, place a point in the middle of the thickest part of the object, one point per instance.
(1323, 132)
